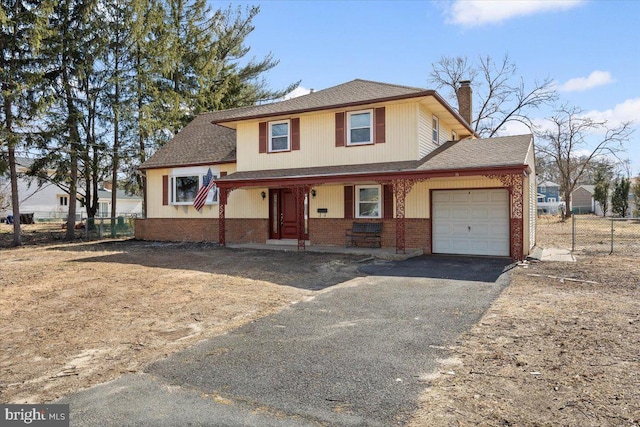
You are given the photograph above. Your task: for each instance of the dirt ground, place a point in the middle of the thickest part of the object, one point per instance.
(560, 346)
(73, 315)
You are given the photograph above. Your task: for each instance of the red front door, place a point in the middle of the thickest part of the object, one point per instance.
(283, 214)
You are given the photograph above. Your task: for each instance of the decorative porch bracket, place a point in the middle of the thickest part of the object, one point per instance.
(222, 204)
(515, 184)
(299, 192)
(401, 187)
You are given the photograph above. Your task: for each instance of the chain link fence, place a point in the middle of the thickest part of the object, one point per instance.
(596, 235)
(100, 228)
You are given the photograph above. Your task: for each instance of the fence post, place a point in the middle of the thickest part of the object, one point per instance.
(573, 233)
(611, 236)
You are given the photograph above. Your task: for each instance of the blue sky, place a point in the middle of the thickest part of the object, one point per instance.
(590, 48)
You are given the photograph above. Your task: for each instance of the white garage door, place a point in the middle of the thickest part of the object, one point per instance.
(471, 222)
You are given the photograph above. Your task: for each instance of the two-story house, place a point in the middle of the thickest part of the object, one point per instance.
(549, 199)
(306, 168)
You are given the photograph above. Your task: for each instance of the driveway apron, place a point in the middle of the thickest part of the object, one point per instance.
(357, 354)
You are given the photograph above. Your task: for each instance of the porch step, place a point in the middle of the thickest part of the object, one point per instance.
(286, 242)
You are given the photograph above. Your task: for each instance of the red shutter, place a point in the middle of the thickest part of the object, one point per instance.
(262, 137)
(348, 201)
(340, 130)
(379, 114)
(388, 201)
(165, 190)
(295, 134)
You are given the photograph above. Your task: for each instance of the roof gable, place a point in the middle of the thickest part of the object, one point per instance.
(200, 142)
(355, 92)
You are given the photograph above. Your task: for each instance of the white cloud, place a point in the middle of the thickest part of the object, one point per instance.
(628, 111)
(472, 13)
(299, 91)
(596, 78)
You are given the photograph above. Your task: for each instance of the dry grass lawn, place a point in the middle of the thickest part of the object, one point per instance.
(560, 346)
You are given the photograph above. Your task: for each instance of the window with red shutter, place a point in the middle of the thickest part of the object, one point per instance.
(165, 190)
(262, 137)
(380, 125)
(295, 133)
(348, 201)
(340, 129)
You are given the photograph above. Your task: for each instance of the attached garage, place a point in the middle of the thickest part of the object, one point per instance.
(470, 222)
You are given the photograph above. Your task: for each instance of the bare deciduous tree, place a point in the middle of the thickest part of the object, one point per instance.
(569, 134)
(501, 95)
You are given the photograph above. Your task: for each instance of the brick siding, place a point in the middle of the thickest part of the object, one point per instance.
(330, 231)
(177, 230)
(323, 231)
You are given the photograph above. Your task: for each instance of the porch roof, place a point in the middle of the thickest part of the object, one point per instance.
(455, 158)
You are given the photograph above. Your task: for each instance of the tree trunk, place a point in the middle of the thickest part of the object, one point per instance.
(15, 199)
(116, 138)
(141, 177)
(567, 204)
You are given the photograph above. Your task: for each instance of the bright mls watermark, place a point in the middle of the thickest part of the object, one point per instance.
(34, 415)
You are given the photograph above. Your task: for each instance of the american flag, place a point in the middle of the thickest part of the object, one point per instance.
(207, 185)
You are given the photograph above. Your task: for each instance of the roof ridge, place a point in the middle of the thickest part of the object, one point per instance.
(417, 89)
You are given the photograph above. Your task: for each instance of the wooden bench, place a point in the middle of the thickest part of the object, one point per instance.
(367, 233)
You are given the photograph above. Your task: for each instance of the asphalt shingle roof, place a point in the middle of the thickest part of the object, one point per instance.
(200, 142)
(479, 153)
(351, 93)
(203, 142)
(465, 154)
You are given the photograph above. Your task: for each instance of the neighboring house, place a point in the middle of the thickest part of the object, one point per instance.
(48, 202)
(550, 191)
(582, 201)
(303, 170)
(548, 197)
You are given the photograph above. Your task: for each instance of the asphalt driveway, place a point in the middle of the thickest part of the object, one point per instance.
(357, 354)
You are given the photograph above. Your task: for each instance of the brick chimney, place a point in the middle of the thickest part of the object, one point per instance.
(465, 99)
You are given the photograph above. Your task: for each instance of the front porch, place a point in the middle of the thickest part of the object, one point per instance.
(388, 253)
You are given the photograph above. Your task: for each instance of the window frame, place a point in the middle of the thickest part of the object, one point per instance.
(63, 200)
(370, 127)
(270, 136)
(358, 202)
(435, 130)
(212, 197)
(454, 135)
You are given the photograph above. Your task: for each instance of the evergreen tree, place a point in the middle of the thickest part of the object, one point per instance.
(620, 197)
(22, 27)
(70, 53)
(601, 191)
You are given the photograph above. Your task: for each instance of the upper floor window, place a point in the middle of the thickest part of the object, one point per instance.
(360, 127)
(185, 188)
(368, 201)
(279, 136)
(436, 130)
(63, 200)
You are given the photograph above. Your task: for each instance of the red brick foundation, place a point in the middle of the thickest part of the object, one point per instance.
(330, 231)
(177, 230)
(247, 230)
(322, 231)
(201, 230)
